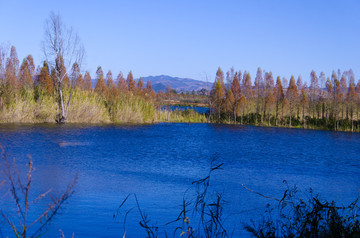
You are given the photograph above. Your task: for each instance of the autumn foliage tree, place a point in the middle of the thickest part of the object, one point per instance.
(112, 89)
(279, 97)
(229, 103)
(121, 83)
(336, 98)
(236, 94)
(76, 77)
(351, 98)
(268, 92)
(314, 91)
(140, 86)
(11, 70)
(258, 85)
(357, 90)
(149, 92)
(304, 103)
(342, 95)
(44, 80)
(100, 87)
(218, 92)
(87, 81)
(3, 52)
(31, 65)
(25, 79)
(291, 95)
(109, 80)
(247, 90)
(131, 83)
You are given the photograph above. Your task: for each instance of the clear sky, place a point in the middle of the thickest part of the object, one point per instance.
(190, 38)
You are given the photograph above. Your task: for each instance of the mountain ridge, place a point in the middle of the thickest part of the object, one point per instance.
(160, 82)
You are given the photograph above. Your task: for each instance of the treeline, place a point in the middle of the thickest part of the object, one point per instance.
(327, 103)
(30, 94)
(16, 78)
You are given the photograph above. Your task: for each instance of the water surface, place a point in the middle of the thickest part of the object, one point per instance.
(200, 110)
(159, 162)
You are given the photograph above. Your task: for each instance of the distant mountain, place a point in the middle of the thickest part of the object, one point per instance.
(179, 84)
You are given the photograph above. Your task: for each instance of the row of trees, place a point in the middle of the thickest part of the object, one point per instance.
(15, 78)
(332, 102)
(107, 86)
(61, 72)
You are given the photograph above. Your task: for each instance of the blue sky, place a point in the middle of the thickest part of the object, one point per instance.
(188, 38)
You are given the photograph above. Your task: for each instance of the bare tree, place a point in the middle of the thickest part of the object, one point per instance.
(62, 49)
(3, 51)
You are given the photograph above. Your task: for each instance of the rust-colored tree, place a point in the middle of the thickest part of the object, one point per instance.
(236, 92)
(314, 92)
(336, 98)
(3, 53)
(25, 80)
(229, 103)
(31, 65)
(247, 91)
(322, 94)
(243, 106)
(258, 85)
(11, 70)
(217, 94)
(329, 92)
(76, 77)
(131, 83)
(344, 90)
(121, 83)
(80, 82)
(44, 80)
(268, 94)
(304, 103)
(109, 80)
(140, 86)
(100, 86)
(87, 81)
(149, 92)
(300, 87)
(291, 95)
(279, 98)
(269, 102)
(351, 100)
(112, 89)
(357, 90)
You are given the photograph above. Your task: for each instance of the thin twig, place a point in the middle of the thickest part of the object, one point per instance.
(282, 201)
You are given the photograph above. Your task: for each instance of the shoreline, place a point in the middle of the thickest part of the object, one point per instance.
(80, 124)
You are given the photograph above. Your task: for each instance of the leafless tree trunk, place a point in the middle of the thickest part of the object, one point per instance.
(303, 112)
(62, 49)
(3, 51)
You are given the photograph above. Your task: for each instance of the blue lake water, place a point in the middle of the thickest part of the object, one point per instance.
(200, 110)
(159, 162)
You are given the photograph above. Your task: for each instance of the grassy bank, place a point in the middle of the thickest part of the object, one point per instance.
(180, 116)
(307, 122)
(34, 106)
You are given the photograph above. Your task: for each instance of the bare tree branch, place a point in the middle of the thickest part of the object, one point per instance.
(62, 49)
